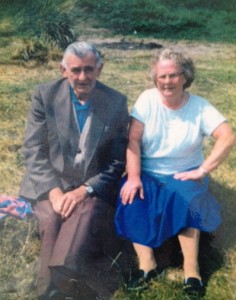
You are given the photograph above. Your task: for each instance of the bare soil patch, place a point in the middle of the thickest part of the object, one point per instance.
(195, 49)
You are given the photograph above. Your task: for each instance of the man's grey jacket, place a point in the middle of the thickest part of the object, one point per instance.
(58, 155)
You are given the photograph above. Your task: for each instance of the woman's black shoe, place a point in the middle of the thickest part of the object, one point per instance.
(139, 280)
(194, 287)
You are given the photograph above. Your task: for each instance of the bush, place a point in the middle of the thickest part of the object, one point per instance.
(32, 50)
(41, 19)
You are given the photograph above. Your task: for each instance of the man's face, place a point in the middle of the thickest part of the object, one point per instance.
(82, 74)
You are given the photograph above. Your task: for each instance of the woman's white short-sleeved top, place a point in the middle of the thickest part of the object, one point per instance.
(173, 139)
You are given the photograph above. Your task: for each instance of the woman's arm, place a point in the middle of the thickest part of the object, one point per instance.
(133, 184)
(224, 143)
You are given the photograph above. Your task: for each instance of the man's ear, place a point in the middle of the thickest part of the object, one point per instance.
(100, 70)
(63, 71)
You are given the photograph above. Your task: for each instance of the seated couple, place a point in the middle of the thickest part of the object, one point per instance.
(75, 146)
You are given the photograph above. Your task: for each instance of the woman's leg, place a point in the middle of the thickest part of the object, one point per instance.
(146, 257)
(189, 242)
(147, 269)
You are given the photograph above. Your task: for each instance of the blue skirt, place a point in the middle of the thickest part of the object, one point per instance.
(169, 206)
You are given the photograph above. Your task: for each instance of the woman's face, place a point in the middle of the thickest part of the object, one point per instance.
(170, 79)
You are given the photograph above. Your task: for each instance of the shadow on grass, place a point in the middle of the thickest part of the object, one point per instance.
(211, 259)
(225, 235)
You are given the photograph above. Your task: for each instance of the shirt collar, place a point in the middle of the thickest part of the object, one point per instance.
(76, 101)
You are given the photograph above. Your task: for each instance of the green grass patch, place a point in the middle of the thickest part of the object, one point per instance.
(183, 19)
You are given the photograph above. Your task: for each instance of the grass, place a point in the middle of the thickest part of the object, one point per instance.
(127, 71)
(184, 19)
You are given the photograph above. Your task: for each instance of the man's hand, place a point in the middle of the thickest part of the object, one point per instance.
(55, 197)
(71, 199)
(65, 203)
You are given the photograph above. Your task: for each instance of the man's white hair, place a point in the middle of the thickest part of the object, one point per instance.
(81, 49)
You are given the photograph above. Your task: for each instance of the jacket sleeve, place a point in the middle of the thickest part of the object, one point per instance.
(40, 176)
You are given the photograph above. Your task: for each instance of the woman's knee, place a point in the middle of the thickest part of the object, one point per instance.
(191, 232)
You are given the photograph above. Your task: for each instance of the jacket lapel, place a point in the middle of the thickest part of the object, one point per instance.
(66, 123)
(95, 124)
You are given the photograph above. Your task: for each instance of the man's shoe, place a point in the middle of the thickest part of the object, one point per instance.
(56, 295)
(139, 280)
(194, 287)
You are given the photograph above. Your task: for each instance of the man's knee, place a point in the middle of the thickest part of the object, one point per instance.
(47, 218)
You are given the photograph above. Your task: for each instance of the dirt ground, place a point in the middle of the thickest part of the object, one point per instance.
(194, 49)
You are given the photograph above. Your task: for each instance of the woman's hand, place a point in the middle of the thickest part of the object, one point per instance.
(129, 190)
(196, 174)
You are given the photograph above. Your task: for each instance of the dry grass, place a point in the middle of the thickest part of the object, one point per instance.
(126, 71)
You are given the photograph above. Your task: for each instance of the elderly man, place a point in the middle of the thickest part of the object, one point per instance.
(75, 154)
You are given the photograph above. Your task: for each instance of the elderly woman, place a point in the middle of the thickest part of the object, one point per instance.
(165, 192)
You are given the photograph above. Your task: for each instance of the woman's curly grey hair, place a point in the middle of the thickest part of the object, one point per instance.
(81, 49)
(180, 59)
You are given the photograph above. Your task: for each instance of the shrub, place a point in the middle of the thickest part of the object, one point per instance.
(41, 19)
(34, 49)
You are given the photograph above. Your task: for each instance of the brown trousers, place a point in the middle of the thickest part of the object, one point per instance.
(83, 248)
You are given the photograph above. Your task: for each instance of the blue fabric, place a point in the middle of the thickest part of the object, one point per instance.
(169, 206)
(14, 206)
(81, 110)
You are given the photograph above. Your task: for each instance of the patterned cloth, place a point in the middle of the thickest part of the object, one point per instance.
(14, 206)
